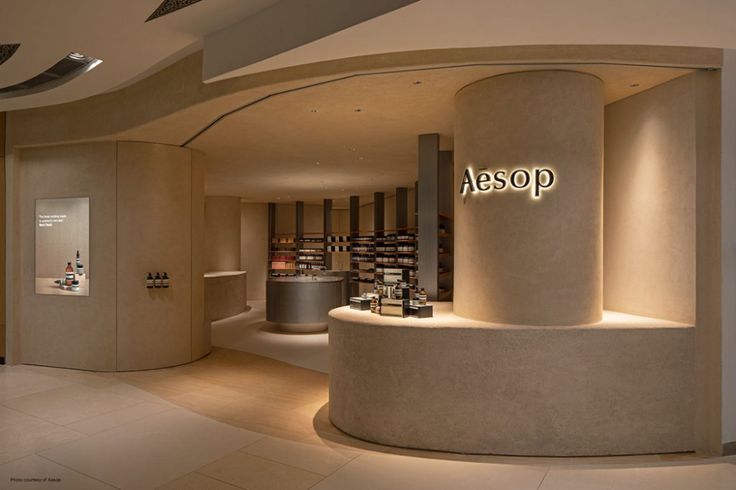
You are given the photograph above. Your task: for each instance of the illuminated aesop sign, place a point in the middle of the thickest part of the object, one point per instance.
(536, 180)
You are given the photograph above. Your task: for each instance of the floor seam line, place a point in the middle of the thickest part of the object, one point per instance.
(544, 477)
(322, 477)
(212, 477)
(77, 471)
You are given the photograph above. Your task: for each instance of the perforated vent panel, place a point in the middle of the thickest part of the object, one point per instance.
(6, 51)
(169, 6)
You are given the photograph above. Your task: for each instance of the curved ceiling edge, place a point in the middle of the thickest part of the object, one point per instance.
(178, 87)
(6, 51)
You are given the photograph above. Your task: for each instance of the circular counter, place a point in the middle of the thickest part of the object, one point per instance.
(225, 294)
(620, 386)
(301, 304)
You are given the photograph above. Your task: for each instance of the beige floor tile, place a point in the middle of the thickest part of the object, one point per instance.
(322, 459)
(152, 451)
(17, 381)
(30, 472)
(22, 435)
(197, 481)
(116, 418)
(69, 404)
(671, 477)
(256, 473)
(374, 472)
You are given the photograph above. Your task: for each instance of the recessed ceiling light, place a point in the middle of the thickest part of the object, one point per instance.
(358, 109)
(361, 158)
(77, 56)
(353, 149)
(316, 163)
(634, 85)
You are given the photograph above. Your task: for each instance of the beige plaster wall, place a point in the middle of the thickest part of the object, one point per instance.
(649, 206)
(254, 247)
(520, 260)
(222, 233)
(3, 194)
(73, 332)
(154, 226)
(201, 331)
(314, 218)
(286, 218)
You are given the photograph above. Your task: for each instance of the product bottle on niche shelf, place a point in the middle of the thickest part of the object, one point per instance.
(69, 274)
(157, 281)
(165, 280)
(80, 267)
(374, 304)
(149, 281)
(422, 297)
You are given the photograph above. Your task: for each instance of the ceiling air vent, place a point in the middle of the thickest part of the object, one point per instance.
(69, 67)
(6, 51)
(169, 6)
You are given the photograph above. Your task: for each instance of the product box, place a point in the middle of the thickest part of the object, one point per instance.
(359, 303)
(394, 307)
(420, 311)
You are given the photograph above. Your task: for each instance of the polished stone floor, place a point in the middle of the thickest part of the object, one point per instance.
(240, 420)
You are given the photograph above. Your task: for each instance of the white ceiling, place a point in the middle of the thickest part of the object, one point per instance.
(114, 31)
(440, 24)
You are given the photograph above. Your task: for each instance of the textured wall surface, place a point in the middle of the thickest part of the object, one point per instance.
(225, 294)
(254, 247)
(445, 383)
(222, 233)
(649, 206)
(73, 332)
(520, 260)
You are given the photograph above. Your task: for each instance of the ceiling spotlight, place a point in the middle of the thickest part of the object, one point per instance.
(417, 82)
(358, 109)
(361, 158)
(353, 149)
(314, 110)
(316, 163)
(634, 85)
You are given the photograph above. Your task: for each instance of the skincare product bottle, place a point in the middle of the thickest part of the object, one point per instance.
(75, 285)
(422, 297)
(149, 281)
(374, 304)
(157, 281)
(69, 277)
(165, 280)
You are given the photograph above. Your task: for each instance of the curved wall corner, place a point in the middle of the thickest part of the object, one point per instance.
(526, 260)
(222, 233)
(146, 214)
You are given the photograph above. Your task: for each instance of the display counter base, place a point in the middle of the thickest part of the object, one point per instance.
(620, 386)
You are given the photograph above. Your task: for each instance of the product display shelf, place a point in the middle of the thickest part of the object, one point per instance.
(445, 257)
(375, 250)
(282, 256)
(310, 251)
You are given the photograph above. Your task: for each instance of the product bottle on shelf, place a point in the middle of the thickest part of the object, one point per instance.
(69, 274)
(149, 281)
(422, 297)
(165, 280)
(80, 267)
(157, 281)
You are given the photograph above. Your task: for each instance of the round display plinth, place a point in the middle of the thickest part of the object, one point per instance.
(620, 386)
(301, 304)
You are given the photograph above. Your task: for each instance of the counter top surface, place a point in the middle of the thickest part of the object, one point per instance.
(224, 273)
(308, 280)
(445, 318)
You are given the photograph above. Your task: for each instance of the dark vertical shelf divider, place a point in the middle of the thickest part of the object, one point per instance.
(327, 230)
(402, 209)
(354, 233)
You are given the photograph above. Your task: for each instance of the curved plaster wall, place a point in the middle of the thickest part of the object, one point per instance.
(523, 260)
(222, 233)
(146, 214)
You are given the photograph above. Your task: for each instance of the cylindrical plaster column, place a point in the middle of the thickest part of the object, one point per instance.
(529, 253)
(222, 233)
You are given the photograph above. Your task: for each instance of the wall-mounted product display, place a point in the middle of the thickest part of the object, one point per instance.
(157, 280)
(311, 251)
(62, 246)
(370, 254)
(282, 260)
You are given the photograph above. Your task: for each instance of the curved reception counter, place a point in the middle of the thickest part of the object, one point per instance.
(301, 304)
(620, 386)
(225, 294)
